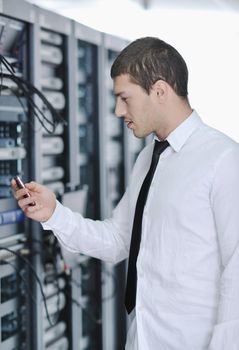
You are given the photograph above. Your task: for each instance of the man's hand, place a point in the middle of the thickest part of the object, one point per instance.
(44, 199)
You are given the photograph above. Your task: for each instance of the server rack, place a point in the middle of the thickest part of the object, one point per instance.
(112, 188)
(15, 146)
(86, 275)
(52, 168)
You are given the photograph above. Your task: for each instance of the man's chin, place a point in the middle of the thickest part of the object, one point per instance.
(139, 135)
(136, 134)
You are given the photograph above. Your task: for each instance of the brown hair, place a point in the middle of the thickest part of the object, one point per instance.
(149, 59)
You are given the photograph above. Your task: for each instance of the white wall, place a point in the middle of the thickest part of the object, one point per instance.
(209, 42)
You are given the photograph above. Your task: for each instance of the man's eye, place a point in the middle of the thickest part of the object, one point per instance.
(124, 99)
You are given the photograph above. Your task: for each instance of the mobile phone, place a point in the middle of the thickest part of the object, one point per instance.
(20, 184)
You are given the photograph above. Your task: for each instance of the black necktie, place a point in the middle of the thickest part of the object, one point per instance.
(131, 285)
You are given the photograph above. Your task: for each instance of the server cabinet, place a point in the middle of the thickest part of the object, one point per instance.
(86, 276)
(52, 165)
(112, 187)
(15, 153)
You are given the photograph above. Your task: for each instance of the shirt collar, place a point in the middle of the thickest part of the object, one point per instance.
(178, 137)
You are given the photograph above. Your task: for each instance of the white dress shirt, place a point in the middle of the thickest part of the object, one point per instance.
(188, 263)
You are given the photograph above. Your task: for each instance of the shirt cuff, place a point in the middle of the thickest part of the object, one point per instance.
(56, 221)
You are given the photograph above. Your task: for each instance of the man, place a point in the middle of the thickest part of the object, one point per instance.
(188, 261)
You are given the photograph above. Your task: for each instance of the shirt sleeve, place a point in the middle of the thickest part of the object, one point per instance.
(107, 240)
(225, 205)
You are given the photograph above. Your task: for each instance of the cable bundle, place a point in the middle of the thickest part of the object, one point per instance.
(49, 121)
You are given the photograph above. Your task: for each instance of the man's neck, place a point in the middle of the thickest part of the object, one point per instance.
(173, 118)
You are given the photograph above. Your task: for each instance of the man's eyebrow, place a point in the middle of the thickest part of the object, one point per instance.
(117, 94)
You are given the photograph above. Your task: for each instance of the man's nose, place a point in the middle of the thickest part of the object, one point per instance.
(120, 109)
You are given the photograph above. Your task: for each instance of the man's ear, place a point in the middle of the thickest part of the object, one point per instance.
(160, 88)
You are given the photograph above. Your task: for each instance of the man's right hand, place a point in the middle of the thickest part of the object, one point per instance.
(45, 200)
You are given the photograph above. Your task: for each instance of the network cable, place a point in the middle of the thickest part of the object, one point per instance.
(18, 272)
(27, 90)
(21, 257)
